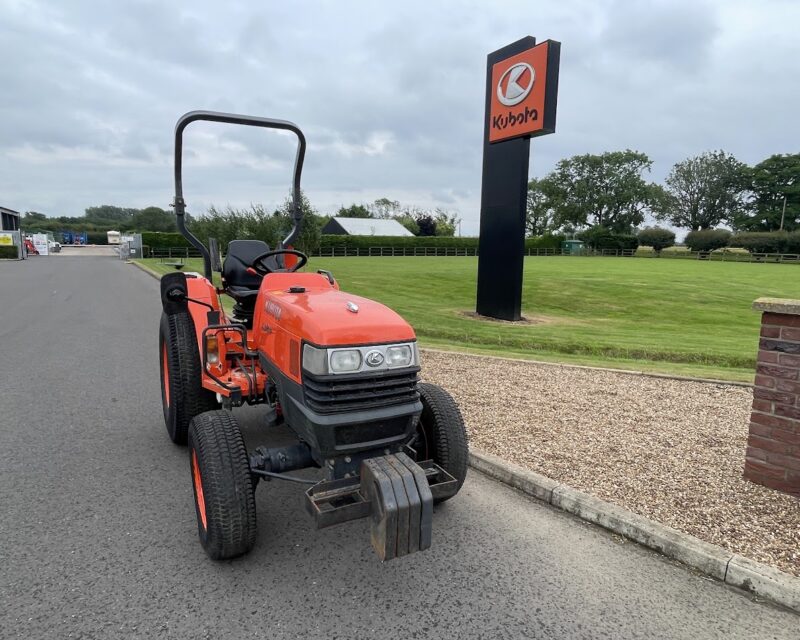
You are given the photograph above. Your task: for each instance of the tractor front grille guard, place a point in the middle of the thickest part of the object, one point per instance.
(251, 376)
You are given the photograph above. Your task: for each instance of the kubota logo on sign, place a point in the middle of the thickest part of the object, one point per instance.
(518, 97)
(515, 84)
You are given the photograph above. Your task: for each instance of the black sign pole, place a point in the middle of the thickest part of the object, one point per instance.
(504, 191)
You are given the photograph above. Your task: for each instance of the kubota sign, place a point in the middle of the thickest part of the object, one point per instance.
(523, 93)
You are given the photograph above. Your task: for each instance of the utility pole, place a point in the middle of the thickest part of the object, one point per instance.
(783, 214)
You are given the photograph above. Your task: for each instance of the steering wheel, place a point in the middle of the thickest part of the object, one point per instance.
(262, 269)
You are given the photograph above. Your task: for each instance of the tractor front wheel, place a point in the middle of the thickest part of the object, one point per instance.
(182, 392)
(441, 435)
(223, 487)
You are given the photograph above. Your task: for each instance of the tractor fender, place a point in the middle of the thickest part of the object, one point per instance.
(174, 292)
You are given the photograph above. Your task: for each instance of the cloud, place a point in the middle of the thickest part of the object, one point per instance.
(390, 97)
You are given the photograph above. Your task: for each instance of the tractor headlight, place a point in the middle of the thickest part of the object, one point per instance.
(400, 356)
(315, 360)
(367, 359)
(344, 360)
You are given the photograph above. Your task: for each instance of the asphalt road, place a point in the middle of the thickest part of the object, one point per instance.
(98, 536)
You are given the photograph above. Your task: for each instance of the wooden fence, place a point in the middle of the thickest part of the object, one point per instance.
(342, 252)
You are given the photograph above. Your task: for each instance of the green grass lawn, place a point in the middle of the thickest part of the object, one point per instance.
(671, 316)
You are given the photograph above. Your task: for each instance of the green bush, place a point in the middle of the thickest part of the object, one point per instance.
(656, 237)
(599, 238)
(163, 240)
(7, 253)
(547, 241)
(793, 242)
(364, 242)
(771, 242)
(427, 242)
(707, 239)
(643, 251)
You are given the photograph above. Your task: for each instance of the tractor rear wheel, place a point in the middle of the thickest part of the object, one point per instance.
(223, 487)
(441, 435)
(182, 392)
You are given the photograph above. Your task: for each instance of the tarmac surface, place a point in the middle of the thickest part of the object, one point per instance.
(98, 535)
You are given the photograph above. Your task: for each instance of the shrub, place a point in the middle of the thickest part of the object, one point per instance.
(707, 239)
(7, 253)
(643, 251)
(547, 241)
(772, 242)
(163, 240)
(599, 238)
(793, 242)
(657, 238)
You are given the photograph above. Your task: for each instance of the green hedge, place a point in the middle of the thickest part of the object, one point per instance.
(656, 237)
(599, 238)
(707, 239)
(767, 242)
(399, 242)
(163, 240)
(8, 253)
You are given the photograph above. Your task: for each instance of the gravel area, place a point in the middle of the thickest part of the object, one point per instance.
(670, 450)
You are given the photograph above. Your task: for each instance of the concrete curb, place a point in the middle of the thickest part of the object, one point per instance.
(732, 569)
(147, 270)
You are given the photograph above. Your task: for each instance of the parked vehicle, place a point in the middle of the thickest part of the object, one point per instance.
(340, 370)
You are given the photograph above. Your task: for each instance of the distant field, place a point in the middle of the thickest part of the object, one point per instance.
(673, 316)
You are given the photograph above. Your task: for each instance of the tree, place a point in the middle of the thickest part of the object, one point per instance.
(707, 239)
(408, 222)
(153, 219)
(446, 222)
(605, 190)
(539, 213)
(385, 208)
(310, 230)
(106, 213)
(657, 238)
(354, 211)
(426, 223)
(706, 190)
(771, 181)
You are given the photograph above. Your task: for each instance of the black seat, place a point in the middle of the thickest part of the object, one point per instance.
(239, 283)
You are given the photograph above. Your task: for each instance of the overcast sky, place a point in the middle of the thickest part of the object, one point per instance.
(390, 95)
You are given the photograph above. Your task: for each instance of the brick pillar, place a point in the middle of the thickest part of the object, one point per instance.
(773, 446)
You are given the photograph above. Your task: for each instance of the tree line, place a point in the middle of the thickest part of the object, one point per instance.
(609, 192)
(255, 221)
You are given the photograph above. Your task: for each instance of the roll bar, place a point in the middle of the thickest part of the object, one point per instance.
(231, 118)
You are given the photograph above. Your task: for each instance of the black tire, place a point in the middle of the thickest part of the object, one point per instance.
(224, 499)
(441, 434)
(182, 393)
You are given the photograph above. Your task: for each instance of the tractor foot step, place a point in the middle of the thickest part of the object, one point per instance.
(394, 492)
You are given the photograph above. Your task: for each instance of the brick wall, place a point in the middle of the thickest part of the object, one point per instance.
(773, 446)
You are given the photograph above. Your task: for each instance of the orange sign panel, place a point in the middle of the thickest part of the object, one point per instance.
(521, 104)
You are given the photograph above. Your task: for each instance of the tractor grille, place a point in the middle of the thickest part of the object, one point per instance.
(340, 393)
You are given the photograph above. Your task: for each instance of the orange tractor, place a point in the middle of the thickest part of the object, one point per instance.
(339, 370)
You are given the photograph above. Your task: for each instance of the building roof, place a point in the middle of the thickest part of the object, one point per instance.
(371, 227)
(9, 211)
